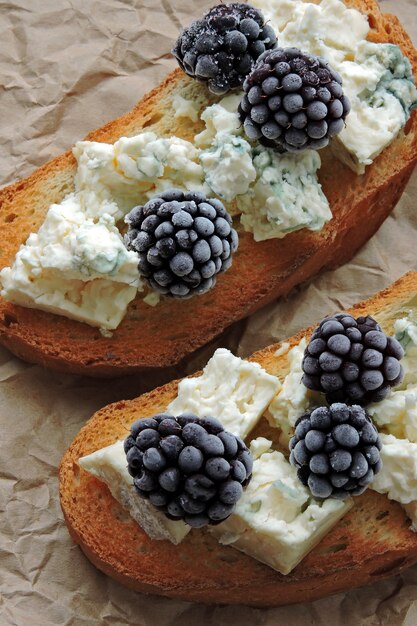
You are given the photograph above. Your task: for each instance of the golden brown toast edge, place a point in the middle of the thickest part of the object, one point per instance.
(162, 336)
(371, 542)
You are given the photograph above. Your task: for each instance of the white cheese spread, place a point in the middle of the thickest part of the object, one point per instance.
(277, 521)
(109, 465)
(377, 78)
(236, 391)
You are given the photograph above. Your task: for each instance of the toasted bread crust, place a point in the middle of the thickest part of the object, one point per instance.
(371, 542)
(162, 336)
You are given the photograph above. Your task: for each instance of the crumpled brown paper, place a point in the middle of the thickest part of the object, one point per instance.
(67, 66)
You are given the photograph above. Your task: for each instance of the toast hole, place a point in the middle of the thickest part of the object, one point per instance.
(121, 515)
(76, 472)
(381, 515)
(408, 126)
(372, 21)
(229, 558)
(142, 549)
(10, 218)
(338, 547)
(388, 29)
(152, 120)
(9, 320)
(387, 569)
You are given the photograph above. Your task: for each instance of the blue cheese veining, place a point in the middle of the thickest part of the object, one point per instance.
(113, 178)
(377, 78)
(74, 266)
(277, 521)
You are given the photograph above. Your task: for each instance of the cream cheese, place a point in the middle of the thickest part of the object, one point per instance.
(277, 521)
(232, 389)
(406, 333)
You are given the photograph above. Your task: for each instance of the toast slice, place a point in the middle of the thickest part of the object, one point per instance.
(151, 337)
(372, 541)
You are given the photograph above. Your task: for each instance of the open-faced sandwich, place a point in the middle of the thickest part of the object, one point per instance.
(277, 149)
(268, 481)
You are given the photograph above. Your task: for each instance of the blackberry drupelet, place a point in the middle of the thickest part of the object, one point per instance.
(188, 467)
(222, 47)
(336, 451)
(293, 101)
(183, 240)
(352, 360)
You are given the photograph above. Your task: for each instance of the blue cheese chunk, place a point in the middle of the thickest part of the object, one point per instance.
(397, 414)
(293, 398)
(75, 266)
(377, 78)
(109, 465)
(286, 195)
(277, 521)
(380, 85)
(398, 476)
(232, 389)
(228, 167)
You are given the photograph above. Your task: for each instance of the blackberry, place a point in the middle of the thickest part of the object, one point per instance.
(336, 450)
(293, 101)
(183, 240)
(188, 467)
(222, 47)
(352, 360)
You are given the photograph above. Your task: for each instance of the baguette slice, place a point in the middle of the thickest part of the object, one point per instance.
(151, 337)
(371, 542)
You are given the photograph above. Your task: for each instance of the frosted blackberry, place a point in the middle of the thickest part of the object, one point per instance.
(183, 241)
(336, 451)
(188, 467)
(222, 47)
(293, 101)
(352, 360)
